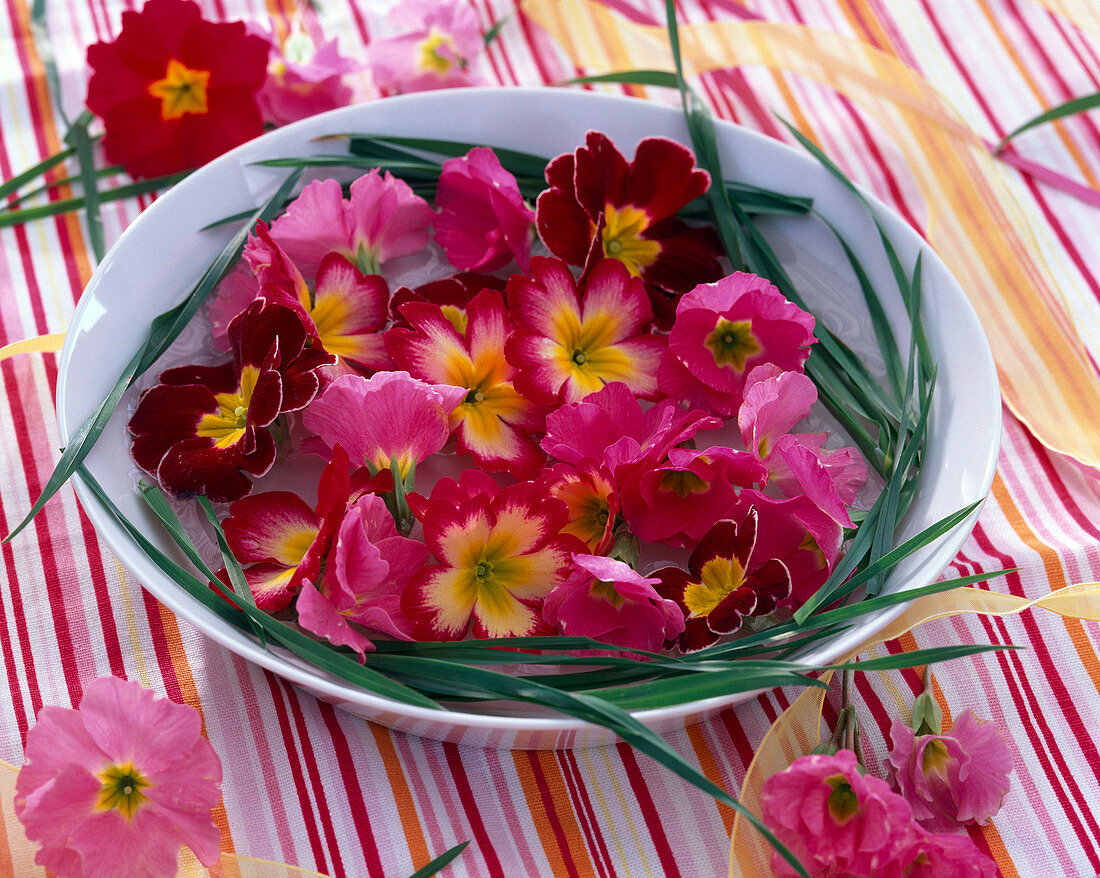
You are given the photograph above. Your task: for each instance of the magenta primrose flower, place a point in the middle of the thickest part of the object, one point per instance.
(435, 44)
(952, 778)
(116, 787)
(389, 419)
(499, 552)
(608, 600)
(942, 855)
(836, 820)
(382, 220)
(483, 222)
(722, 331)
(452, 294)
(591, 501)
(305, 75)
(571, 342)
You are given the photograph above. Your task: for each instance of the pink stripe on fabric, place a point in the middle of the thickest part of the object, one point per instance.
(1047, 175)
(349, 777)
(414, 760)
(292, 756)
(586, 816)
(496, 760)
(648, 810)
(469, 804)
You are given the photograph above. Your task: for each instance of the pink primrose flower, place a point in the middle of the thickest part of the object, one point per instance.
(494, 422)
(382, 220)
(678, 501)
(388, 419)
(435, 44)
(725, 582)
(836, 820)
(483, 222)
(116, 787)
(590, 499)
(610, 427)
(722, 332)
(366, 571)
(500, 551)
(599, 202)
(305, 75)
(941, 855)
(570, 343)
(204, 429)
(952, 778)
(608, 600)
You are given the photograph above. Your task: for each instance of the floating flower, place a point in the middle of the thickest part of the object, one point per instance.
(952, 778)
(452, 294)
(835, 819)
(345, 311)
(436, 44)
(305, 76)
(365, 574)
(203, 428)
(632, 206)
(591, 501)
(281, 541)
(494, 421)
(390, 419)
(608, 600)
(174, 90)
(116, 787)
(724, 583)
(500, 551)
(568, 344)
(724, 330)
(382, 220)
(483, 222)
(611, 428)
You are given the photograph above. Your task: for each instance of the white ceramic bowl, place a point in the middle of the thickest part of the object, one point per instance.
(162, 254)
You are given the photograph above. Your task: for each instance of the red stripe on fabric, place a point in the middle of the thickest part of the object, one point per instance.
(101, 589)
(527, 28)
(547, 798)
(497, 48)
(582, 805)
(29, 681)
(1023, 693)
(356, 803)
(1042, 457)
(469, 805)
(320, 800)
(737, 736)
(291, 747)
(158, 636)
(648, 809)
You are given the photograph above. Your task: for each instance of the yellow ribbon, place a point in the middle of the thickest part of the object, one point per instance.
(43, 344)
(797, 731)
(974, 220)
(17, 851)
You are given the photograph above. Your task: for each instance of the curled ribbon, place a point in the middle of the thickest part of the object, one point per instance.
(797, 731)
(43, 344)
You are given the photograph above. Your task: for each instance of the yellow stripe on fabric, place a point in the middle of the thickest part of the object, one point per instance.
(402, 794)
(974, 221)
(796, 731)
(1083, 13)
(612, 765)
(608, 824)
(41, 344)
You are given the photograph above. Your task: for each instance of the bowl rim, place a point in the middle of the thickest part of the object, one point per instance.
(245, 645)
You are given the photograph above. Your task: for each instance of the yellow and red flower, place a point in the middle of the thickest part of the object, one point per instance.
(203, 428)
(174, 90)
(500, 551)
(632, 207)
(494, 422)
(570, 344)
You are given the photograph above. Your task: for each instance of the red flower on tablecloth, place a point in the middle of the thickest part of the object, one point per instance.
(632, 207)
(204, 429)
(174, 90)
(115, 788)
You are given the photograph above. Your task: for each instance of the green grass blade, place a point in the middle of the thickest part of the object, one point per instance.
(494, 32)
(1069, 108)
(658, 78)
(446, 857)
(78, 138)
(516, 161)
(21, 179)
(918, 657)
(679, 690)
(44, 47)
(233, 569)
(163, 331)
(156, 501)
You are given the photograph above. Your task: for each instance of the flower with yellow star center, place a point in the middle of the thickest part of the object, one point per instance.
(181, 91)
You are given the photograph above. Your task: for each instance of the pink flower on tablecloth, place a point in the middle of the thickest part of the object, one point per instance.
(942, 855)
(483, 222)
(382, 220)
(836, 820)
(305, 75)
(435, 44)
(116, 787)
(952, 778)
(608, 600)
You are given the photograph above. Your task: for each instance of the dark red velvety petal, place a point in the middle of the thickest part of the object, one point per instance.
(672, 583)
(731, 610)
(696, 635)
(195, 466)
(725, 540)
(772, 583)
(166, 414)
(688, 257)
(216, 379)
(663, 178)
(563, 226)
(601, 174)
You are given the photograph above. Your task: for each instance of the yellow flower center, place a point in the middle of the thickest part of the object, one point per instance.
(720, 577)
(606, 590)
(456, 316)
(182, 91)
(430, 56)
(935, 758)
(122, 789)
(732, 342)
(622, 238)
(227, 425)
(843, 802)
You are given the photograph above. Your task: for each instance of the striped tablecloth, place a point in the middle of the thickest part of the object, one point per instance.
(309, 785)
